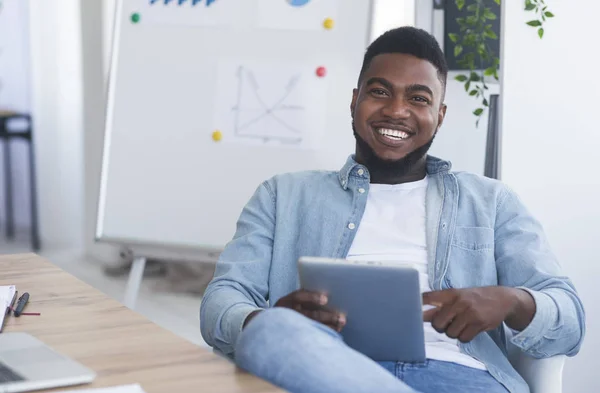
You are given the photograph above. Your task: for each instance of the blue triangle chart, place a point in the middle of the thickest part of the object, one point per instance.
(298, 3)
(181, 2)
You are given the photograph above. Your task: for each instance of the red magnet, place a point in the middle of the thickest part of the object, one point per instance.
(321, 71)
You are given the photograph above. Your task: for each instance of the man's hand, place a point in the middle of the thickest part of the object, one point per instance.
(464, 313)
(313, 305)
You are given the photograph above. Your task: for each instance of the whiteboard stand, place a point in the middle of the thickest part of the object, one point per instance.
(134, 282)
(138, 254)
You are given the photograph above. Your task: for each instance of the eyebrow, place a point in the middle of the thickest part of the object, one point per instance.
(415, 87)
(381, 81)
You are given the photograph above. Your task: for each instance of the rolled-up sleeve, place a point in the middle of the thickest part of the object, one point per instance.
(524, 260)
(240, 284)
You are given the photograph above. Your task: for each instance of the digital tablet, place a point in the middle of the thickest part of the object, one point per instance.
(382, 302)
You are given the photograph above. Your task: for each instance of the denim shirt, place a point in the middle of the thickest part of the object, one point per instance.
(478, 234)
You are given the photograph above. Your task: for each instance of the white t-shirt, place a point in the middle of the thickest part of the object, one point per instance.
(393, 229)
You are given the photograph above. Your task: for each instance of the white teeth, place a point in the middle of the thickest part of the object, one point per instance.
(393, 133)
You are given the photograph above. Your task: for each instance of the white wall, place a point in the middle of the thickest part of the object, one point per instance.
(57, 108)
(550, 96)
(389, 14)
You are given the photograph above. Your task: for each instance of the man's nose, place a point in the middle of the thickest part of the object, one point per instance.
(397, 108)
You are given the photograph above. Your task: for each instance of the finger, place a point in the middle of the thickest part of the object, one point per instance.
(428, 315)
(439, 298)
(441, 320)
(327, 317)
(458, 324)
(339, 325)
(470, 332)
(309, 299)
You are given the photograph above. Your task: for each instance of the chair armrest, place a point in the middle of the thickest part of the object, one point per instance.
(542, 375)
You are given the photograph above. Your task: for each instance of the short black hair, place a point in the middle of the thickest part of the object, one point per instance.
(411, 41)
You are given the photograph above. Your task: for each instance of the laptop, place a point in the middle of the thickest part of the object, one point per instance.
(27, 364)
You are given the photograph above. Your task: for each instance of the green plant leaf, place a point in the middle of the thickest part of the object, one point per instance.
(478, 111)
(461, 78)
(541, 32)
(543, 18)
(489, 71)
(472, 7)
(458, 50)
(534, 23)
(453, 37)
(529, 7)
(489, 14)
(467, 85)
(460, 4)
(490, 34)
(474, 77)
(472, 92)
(548, 14)
(485, 102)
(497, 2)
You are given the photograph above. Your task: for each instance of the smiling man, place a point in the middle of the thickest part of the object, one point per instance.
(484, 262)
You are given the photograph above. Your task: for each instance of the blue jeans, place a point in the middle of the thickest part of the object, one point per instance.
(300, 355)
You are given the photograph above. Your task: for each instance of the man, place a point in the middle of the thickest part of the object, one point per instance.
(484, 262)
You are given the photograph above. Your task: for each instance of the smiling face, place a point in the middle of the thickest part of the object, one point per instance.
(396, 110)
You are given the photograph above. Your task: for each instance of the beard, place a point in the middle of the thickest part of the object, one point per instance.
(389, 168)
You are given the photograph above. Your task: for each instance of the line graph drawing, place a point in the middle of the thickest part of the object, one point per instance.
(269, 103)
(260, 116)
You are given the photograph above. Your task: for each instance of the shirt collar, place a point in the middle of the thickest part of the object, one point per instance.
(352, 168)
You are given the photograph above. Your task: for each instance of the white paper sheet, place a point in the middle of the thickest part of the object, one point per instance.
(274, 104)
(133, 388)
(7, 294)
(296, 14)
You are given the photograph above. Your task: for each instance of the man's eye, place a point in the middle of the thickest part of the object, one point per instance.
(379, 92)
(421, 99)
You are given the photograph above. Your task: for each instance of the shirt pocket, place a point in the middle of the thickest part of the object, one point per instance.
(471, 261)
(474, 238)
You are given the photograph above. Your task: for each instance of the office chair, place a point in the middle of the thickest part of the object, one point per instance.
(542, 375)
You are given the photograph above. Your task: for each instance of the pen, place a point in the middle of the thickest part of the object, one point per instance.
(21, 304)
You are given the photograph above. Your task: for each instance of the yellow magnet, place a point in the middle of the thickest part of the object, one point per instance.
(328, 23)
(217, 136)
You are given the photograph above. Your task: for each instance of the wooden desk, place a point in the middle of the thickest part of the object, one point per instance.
(120, 345)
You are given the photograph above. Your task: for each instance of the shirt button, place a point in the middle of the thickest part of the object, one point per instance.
(351, 226)
(361, 190)
(361, 172)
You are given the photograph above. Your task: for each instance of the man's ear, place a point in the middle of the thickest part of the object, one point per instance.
(441, 115)
(353, 103)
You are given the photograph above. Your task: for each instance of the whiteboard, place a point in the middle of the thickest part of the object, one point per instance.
(209, 98)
